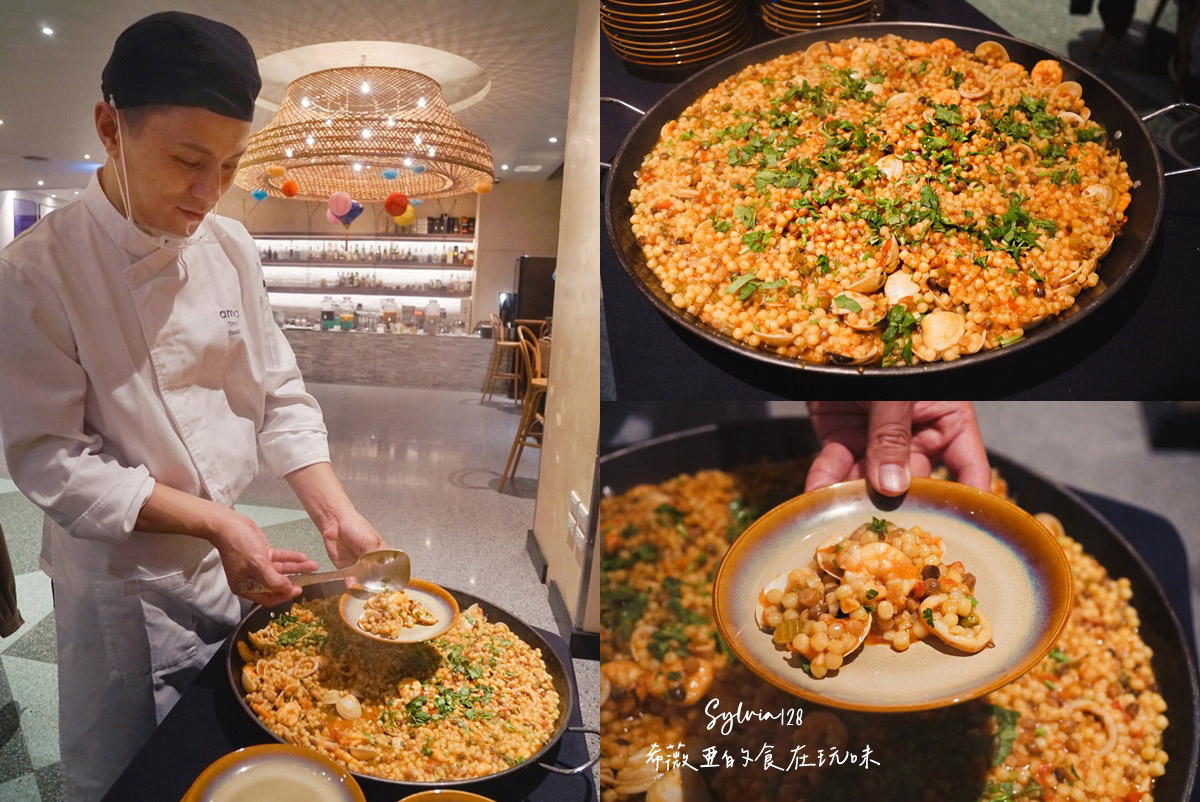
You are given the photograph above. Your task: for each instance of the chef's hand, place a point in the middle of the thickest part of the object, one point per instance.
(889, 442)
(349, 535)
(247, 556)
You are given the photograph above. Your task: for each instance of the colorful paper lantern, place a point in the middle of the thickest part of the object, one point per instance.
(340, 203)
(276, 170)
(483, 187)
(396, 203)
(391, 173)
(406, 219)
(259, 194)
(289, 189)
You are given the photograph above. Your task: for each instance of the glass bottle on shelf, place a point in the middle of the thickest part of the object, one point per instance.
(346, 314)
(328, 313)
(390, 312)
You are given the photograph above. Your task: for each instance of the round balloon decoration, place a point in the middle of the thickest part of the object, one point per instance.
(259, 194)
(391, 173)
(289, 189)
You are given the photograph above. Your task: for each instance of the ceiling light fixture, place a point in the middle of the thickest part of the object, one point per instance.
(553, 140)
(504, 167)
(47, 30)
(41, 183)
(404, 117)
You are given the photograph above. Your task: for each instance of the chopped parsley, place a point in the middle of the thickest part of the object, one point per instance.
(746, 215)
(872, 593)
(721, 225)
(878, 526)
(897, 336)
(927, 614)
(848, 303)
(1006, 733)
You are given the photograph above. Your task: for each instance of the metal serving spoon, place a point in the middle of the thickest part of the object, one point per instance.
(376, 571)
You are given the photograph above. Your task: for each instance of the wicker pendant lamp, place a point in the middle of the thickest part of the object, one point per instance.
(351, 129)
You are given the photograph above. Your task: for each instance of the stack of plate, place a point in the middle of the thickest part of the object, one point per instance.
(669, 34)
(790, 16)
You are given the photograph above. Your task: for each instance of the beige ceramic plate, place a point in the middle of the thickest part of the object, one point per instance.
(435, 598)
(1023, 584)
(274, 773)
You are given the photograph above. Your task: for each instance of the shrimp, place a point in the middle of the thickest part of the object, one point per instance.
(879, 563)
(624, 676)
(681, 688)
(1047, 72)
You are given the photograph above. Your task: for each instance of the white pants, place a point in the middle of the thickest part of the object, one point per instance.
(127, 650)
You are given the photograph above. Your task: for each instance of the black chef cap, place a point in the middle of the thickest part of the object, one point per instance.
(177, 59)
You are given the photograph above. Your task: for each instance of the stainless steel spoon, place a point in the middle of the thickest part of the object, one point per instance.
(376, 571)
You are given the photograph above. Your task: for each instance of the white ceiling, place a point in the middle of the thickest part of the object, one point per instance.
(50, 84)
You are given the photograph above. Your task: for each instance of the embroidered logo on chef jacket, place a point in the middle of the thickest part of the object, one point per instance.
(233, 322)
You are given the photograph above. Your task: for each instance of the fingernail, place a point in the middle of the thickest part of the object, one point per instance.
(893, 478)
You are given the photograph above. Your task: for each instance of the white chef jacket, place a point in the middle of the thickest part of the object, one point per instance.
(122, 365)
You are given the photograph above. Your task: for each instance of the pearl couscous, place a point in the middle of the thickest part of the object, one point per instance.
(470, 703)
(1087, 723)
(881, 201)
(390, 613)
(881, 580)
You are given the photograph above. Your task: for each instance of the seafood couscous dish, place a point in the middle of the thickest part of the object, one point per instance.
(390, 613)
(1086, 723)
(881, 201)
(882, 581)
(473, 702)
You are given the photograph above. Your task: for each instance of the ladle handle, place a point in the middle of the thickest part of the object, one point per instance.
(299, 580)
(1189, 107)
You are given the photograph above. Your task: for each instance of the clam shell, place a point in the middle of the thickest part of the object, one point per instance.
(941, 329)
(991, 51)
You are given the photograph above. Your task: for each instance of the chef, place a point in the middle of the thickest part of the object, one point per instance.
(143, 375)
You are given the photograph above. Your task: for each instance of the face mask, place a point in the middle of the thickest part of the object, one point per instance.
(203, 232)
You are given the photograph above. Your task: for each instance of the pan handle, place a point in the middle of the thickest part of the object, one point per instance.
(619, 102)
(575, 769)
(1190, 107)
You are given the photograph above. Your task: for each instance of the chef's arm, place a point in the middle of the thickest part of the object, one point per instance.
(53, 460)
(246, 555)
(347, 534)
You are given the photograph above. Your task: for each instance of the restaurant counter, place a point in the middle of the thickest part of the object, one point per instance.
(432, 362)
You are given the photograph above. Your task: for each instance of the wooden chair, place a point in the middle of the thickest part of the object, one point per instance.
(500, 348)
(529, 431)
(537, 325)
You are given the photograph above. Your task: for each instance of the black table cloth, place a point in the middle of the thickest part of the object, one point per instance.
(1142, 343)
(208, 723)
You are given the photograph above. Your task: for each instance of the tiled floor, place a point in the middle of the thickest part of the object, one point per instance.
(423, 466)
